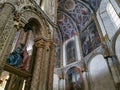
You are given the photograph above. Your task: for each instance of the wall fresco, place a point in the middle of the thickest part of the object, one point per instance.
(70, 52)
(90, 39)
(66, 26)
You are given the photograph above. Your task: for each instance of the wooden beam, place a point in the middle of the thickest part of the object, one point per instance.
(17, 71)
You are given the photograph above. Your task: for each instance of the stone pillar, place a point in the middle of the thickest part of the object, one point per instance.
(6, 39)
(6, 12)
(38, 61)
(45, 66)
(51, 66)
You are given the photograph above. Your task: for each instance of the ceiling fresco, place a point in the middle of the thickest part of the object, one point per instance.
(94, 4)
(77, 11)
(66, 26)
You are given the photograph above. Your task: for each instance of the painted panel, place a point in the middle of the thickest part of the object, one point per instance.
(66, 26)
(71, 52)
(77, 11)
(90, 39)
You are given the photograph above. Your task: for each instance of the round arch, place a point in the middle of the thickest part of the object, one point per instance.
(29, 14)
(99, 74)
(114, 43)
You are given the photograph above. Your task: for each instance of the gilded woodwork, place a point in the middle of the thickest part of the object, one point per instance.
(16, 71)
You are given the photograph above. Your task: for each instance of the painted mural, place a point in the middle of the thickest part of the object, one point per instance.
(74, 79)
(90, 39)
(77, 11)
(70, 52)
(66, 26)
(94, 4)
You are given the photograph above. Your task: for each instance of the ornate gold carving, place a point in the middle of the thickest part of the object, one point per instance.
(40, 43)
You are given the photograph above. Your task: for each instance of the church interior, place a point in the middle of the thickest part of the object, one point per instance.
(59, 44)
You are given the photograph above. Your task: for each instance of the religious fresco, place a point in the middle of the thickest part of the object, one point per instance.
(66, 26)
(74, 79)
(70, 52)
(77, 11)
(94, 4)
(90, 39)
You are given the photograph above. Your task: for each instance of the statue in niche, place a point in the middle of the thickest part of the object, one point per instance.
(19, 58)
(16, 56)
(25, 61)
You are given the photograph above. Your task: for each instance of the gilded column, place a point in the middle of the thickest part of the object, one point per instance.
(39, 56)
(51, 66)
(6, 12)
(44, 70)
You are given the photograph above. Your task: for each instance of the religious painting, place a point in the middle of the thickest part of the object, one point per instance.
(70, 52)
(74, 79)
(79, 12)
(90, 39)
(66, 26)
(57, 56)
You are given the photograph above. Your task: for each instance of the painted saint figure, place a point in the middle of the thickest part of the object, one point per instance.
(25, 61)
(16, 56)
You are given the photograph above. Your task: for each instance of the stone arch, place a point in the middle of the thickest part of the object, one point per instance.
(114, 43)
(30, 14)
(107, 25)
(90, 58)
(99, 75)
(44, 49)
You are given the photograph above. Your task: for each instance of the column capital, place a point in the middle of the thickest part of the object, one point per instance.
(40, 43)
